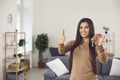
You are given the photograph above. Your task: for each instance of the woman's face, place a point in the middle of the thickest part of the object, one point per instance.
(84, 29)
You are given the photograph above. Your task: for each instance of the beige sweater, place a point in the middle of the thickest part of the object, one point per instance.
(81, 67)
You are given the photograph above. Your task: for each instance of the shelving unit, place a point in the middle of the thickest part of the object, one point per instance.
(13, 64)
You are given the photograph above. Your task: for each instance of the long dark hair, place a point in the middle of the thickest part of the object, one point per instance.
(78, 41)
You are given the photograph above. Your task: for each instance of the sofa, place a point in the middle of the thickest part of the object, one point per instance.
(103, 70)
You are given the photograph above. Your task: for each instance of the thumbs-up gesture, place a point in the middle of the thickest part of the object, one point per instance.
(62, 37)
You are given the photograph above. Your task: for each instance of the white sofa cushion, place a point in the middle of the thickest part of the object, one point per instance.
(115, 68)
(57, 67)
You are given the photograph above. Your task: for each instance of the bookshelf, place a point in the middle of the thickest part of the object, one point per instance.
(14, 59)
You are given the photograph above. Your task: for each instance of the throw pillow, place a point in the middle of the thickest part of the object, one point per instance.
(114, 68)
(57, 67)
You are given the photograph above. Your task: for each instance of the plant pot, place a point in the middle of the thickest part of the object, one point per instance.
(40, 65)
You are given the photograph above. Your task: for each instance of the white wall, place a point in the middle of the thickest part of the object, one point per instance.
(51, 16)
(6, 7)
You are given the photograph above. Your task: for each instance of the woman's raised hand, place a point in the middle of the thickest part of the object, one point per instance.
(62, 37)
(98, 39)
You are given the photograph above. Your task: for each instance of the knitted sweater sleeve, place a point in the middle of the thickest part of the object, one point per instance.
(101, 54)
(65, 48)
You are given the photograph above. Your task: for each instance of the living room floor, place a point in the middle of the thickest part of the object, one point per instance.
(35, 74)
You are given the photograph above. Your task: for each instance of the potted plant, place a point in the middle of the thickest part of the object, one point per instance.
(41, 43)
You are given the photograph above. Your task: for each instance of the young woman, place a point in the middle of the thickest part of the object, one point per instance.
(83, 51)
